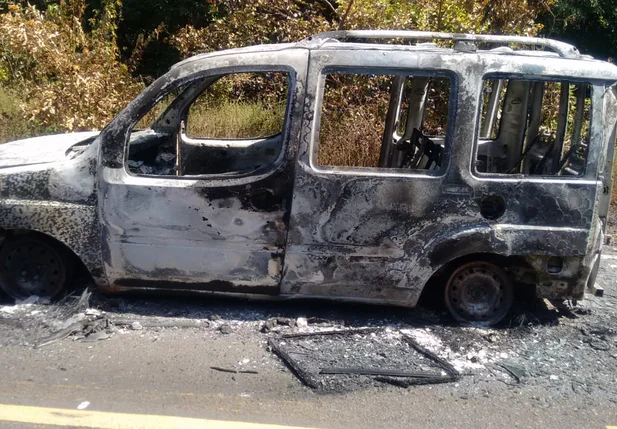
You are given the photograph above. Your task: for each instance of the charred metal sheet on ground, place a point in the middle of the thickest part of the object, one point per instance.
(451, 374)
(355, 358)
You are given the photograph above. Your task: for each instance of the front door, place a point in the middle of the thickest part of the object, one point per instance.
(202, 199)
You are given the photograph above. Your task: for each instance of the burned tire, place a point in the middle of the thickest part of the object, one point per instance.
(32, 265)
(479, 293)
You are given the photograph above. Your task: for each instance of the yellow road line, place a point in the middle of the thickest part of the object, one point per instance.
(104, 420)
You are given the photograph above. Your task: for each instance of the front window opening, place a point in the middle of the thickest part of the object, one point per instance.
(534, 127)
(384, 121)
(234, 126)
(240, 106)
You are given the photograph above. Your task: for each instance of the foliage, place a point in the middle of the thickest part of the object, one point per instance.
(70, 79)
(249, 23)
(266, 21)
(12, 125)
(513, 16)
(144, 32)
(242, 105)
(236, 120)
(590, 25)
(72, 60)
(351, 138)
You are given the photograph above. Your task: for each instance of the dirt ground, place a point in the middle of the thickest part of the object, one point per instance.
(569, 352)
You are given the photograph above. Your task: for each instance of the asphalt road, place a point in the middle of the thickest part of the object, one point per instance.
(171, 376)
(167, 372)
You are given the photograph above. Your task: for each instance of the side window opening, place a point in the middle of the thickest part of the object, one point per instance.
(384, 121)
(234, 126)
(154, 151)
(240, 106)
(534, 127)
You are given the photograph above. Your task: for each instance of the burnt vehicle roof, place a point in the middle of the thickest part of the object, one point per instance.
(566, 58)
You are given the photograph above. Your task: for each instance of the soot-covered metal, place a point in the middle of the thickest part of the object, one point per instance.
(154, 209)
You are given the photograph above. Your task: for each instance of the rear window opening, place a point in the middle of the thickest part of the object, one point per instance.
(534, 127)
(384, 121)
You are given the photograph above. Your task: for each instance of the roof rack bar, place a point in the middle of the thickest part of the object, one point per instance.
(563, 49)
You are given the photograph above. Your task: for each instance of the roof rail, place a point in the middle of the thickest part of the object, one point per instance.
(563, 49)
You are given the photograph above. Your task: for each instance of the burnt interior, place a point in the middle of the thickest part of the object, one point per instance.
(248, 139)
(393, 121)
(204, 158)
(534, 127)
(157, 154)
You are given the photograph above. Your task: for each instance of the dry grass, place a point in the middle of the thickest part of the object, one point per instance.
(353, 119)
(13, 124)
(350, 139)
(236, 120)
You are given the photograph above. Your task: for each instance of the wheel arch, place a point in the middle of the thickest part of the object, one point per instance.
(496, 258)
(455, 248)
(80, 264)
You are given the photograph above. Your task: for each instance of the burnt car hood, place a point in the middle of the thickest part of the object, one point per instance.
(40, 150)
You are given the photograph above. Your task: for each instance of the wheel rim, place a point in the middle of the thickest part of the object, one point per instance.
(480, 293)
(31, 267)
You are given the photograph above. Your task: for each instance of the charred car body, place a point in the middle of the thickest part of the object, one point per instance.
(474, 181)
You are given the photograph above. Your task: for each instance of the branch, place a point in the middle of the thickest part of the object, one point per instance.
(487, 12)
(330, 6)
(344, 19)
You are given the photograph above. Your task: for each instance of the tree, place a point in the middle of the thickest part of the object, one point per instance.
(591, 25)
(267, 21)
(70, 79)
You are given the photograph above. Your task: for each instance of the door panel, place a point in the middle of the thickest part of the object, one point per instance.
(351, 223)
(165, 232)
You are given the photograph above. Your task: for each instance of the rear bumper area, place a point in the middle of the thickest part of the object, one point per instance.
(560, 277)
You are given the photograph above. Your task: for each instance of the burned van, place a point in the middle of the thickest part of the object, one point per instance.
(358, 166)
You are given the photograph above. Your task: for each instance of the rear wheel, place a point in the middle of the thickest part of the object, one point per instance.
(32, 265)
(479, 293)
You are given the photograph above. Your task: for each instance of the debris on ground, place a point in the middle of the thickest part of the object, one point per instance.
(88, 329)
(234, 371)
(60, 335)
(302, 322)
(137, 325)
(310, 324)
(517, 371)
(274, 324)
(540, 346)
(345, 359)
(225, 329)
(23, 305)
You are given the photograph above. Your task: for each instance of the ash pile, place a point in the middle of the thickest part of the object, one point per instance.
(38, 323)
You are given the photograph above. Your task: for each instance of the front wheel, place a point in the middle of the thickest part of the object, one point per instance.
(32, 265)
(479, 293)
